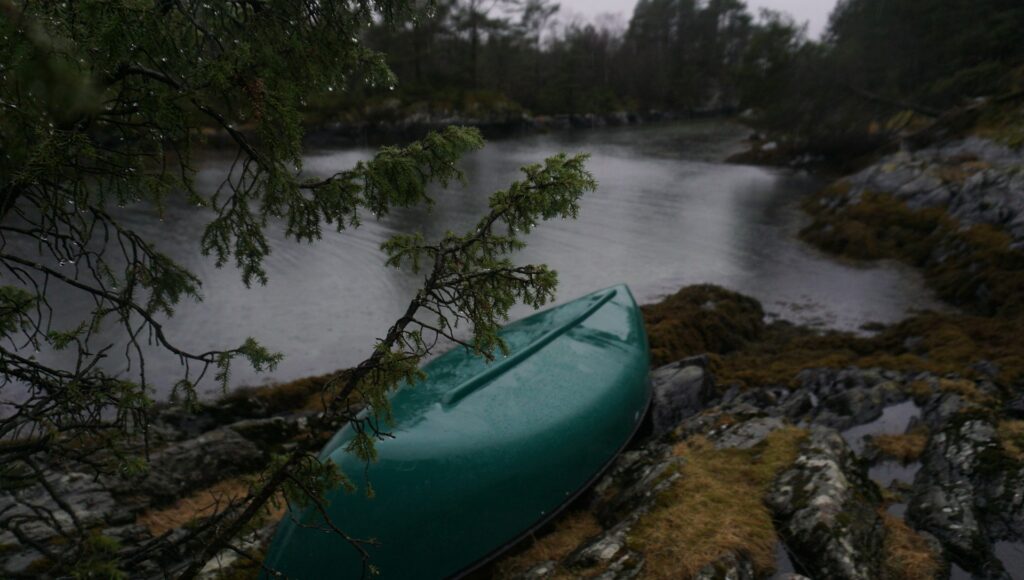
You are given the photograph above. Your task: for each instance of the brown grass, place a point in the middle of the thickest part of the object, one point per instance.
(305, 394)
(749, 353)
(905, 448)
(968, 390)
(978, 269)
(716, 507)
(571, 531)
(907, 555)
(920, 390)
(946, 343)
(1011, 434)
(202, 504)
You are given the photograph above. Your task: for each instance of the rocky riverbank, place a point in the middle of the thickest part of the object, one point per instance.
(848, 460)
(779, 482)
(773, 450)
(785, 452)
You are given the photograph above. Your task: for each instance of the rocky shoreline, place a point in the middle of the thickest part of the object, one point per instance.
(830, 518)
(773, 451)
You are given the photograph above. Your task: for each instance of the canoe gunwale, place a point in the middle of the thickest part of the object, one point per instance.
(548, 518)
(471, 385)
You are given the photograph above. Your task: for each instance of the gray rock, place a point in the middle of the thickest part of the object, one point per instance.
(270, 431)
(36, 514)
(989, 192)
(538, 572)
(732, 566)
(681, 390)
(747, 434)
(941, 408)
(1015, 408)
(194, 464)
(633, 483)
(825, 509)
(630, 565)
(956, 487)
(17, 562)
(601, 551)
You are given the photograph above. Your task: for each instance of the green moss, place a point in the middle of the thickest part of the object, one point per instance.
(701, 319)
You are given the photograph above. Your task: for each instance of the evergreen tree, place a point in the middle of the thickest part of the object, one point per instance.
(103, 103)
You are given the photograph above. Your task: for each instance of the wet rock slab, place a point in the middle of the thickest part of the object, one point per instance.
(826, 510)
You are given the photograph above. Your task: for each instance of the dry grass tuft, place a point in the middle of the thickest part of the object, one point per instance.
(905, 448)
(920, 390)
(968, 390)
(716, 507)
(1011, 433)
(571, 531)
(907, 555)
(202, 504)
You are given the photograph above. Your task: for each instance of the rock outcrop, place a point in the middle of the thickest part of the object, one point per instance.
(826, 510)
(976, 180)
(969, 493)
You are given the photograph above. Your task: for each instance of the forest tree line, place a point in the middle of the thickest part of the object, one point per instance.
(876, 58)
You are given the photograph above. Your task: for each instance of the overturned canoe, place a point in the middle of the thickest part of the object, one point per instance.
(483, 453)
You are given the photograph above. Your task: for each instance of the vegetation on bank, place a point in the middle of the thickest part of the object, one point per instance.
(758, 355)
(908, 556)
(569, 532)
(974, 268)
(716, 507)
(701, 319)
(904, 448)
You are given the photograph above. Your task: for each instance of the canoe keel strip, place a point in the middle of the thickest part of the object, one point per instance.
(458, 393)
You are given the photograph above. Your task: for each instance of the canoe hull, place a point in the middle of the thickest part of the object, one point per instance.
(475, 464)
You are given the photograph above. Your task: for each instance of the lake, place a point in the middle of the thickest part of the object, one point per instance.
(669, 212)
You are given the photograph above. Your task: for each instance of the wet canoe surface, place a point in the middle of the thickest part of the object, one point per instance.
(484, 452)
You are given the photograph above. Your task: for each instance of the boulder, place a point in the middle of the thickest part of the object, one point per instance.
(681, 389)
(953, 491)
(826, 511)
(747, 434)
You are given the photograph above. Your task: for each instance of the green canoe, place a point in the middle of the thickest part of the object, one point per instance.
(483, 453)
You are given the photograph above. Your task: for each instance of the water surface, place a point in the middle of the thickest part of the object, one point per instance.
(669, 212)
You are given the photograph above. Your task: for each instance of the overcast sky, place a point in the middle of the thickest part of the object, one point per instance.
(813, 11)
